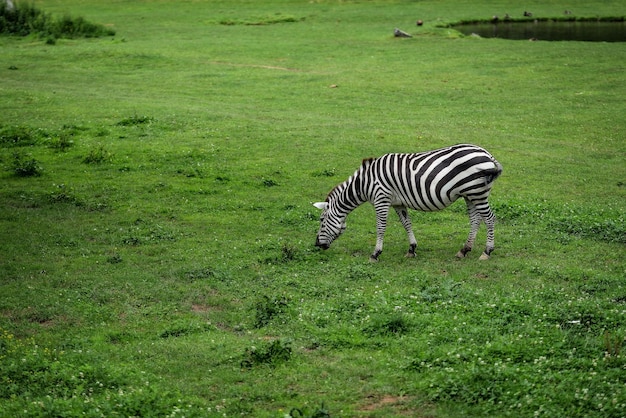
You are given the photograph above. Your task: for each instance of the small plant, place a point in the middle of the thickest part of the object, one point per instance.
(272, 354)
(319, 412)
(389, 325)
(180, 330)
(98, 155)
(269, 183)
(261, 21)
(114, 259)
(64, 194)
(325, 173)
(62, 143)
(135, 120)
(269, 308)
(289, 252)
(612, 344)
(16, 136)
(205, 273)
(24, 166)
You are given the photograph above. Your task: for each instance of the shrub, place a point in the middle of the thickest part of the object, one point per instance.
(24, 19)
(24, 166)
(98, 155)
(268, 308)
(389, 325)
(16, 136)
(272, 354)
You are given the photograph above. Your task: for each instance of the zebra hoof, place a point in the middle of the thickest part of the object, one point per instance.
(460, 254)
(410, 255)
(484, 256)
(373, 259)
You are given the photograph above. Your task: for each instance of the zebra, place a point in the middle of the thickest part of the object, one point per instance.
(426, 181)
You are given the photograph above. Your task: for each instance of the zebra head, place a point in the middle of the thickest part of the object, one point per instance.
(332, 224)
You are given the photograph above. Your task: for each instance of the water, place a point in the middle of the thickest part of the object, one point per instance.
(590, 31)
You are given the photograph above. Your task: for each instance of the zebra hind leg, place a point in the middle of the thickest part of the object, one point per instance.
(490, 221)
(403, 214)
(475, 219)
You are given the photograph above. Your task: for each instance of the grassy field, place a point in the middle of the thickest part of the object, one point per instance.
(157, 254)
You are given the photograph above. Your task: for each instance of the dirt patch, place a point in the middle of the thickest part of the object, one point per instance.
(375, 403)
(399, 405)
(197, 308)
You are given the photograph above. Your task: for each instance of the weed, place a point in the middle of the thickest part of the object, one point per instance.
(320, 412)
(64, 194)
(389, 325)
(62, 143)
(98, 155)
(16, 136)
(269, 183)
(148, 232)
(135, 120)
(325, 173)
(260, 21)
(204, 273)
(286, 253)
(268, 308)
(114, 259)
(270, 354)
(184, 329)
(612, 344)
(26, 166)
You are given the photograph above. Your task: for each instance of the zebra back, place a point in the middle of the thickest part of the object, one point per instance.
(431, 180)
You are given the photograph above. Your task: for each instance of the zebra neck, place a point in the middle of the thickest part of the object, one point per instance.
(350, 193)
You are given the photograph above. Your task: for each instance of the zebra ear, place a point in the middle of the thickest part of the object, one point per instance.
(321, 205)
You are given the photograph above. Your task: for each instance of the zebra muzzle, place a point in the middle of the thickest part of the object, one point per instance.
(323, 246)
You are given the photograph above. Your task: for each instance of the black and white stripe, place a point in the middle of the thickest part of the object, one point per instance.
(427, 181)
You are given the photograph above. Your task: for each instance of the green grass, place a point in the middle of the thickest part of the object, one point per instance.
(157, 253)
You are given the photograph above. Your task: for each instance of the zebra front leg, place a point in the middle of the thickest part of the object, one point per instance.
(382, 211)
(475, 219)
(403, 214)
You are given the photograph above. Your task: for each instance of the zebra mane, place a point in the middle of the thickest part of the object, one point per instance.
(368, 161)
(342, 186)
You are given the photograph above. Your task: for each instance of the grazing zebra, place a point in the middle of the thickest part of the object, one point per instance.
(426, 181)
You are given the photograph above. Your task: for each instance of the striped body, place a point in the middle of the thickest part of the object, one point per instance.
(427, 181)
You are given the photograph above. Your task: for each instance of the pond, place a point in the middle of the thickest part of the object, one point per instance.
(549, 30)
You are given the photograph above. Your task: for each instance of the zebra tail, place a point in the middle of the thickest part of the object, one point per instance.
(493, 173)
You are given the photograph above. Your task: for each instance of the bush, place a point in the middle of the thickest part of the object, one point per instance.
(24, 166)
(389, 325)
(269, 308)
(24, 19)
(272, 354)
(16, 136)
(98, 155)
